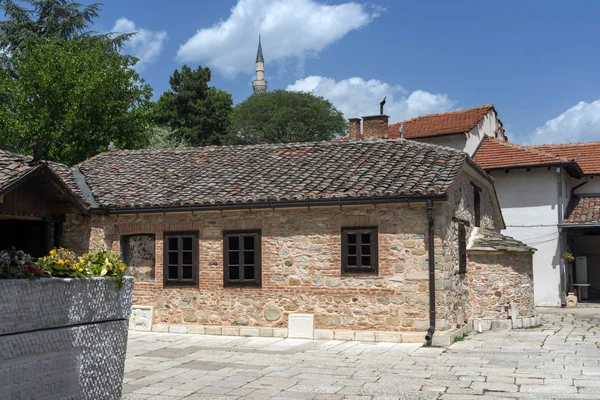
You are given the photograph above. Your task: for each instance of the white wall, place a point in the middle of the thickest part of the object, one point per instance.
(457, 141)
(530, 207)
(592, 186)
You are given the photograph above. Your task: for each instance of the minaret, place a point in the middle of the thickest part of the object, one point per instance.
(259, 84)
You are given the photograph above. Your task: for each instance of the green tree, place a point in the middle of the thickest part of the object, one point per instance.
(28, 20)
(198, 114)
(285, 117)
(75, 97)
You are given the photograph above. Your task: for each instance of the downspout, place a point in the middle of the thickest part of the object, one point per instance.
(561, 244)
(431, 329)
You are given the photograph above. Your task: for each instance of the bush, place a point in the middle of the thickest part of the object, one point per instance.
(16, 264)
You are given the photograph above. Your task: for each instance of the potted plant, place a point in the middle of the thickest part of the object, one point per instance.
(67, 315)
(568, 256)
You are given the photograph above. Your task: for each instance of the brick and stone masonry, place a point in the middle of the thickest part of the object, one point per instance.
(301, 265)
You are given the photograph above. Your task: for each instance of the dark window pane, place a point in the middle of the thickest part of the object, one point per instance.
(173, 243)
(234, 273)
(249, 273)
(249, 257)
(352, 261)
(187, 243)
(234, 258)
(187, 272)
(234, 242)
(365, 238)
(248, 242)
(365, 249)
(187, 257)
(365, 261)
(351, 238)
(173, 257)
(352, 249)
(173, 272)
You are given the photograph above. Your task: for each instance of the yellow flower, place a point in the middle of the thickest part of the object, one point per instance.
(61, 261)
(67, 261)
(85, 255)
(80, 269)
(53, 252)
(45, 259)
(121, 267)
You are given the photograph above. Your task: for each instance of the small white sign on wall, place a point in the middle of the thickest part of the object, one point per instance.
(141, 318)
(301, 326)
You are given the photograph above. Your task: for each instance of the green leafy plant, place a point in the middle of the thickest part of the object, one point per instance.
(100, 263)
(568, 256)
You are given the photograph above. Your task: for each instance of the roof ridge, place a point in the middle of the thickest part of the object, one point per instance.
(490, 105)
(565, 144)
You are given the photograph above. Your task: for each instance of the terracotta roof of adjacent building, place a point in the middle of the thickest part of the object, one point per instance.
(441, 124)
(586, 154)
(488, 240)
(499, 154)
(274, 173)
(584, 210)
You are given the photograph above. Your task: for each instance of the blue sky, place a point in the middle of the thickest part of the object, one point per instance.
(536, 60)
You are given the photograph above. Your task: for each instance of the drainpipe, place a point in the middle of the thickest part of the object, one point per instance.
(431, 329)
(561, 244)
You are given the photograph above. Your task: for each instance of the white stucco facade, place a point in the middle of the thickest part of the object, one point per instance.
(529, 202)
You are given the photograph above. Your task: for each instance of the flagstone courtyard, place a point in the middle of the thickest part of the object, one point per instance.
(558, 360)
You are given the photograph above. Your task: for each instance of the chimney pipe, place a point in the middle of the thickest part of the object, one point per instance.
(401, 130)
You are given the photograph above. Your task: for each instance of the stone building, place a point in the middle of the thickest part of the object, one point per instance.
(366, 240)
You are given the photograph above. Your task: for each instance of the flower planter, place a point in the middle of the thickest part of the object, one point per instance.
(63, 338)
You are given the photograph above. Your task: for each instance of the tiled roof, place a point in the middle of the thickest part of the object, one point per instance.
(12, 168)
(499, 154)
(489, 240)
(16, 166)
(587, 155)
(276, 173)
(441, 124)
(584, 210)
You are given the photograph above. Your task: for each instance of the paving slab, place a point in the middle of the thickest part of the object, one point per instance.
(558, 360)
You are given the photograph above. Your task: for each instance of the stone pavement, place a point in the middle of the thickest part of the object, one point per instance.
(558, 360)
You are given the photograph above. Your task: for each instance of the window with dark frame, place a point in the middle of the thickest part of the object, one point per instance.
(359, 250)
(180, 258)
(241, 258)
(462, 249)
(477, 204)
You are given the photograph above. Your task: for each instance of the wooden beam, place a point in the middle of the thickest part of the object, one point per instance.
(61, 208)
(21, 217)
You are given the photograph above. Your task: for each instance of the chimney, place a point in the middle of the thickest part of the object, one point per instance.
(354, 128)
(375, 126)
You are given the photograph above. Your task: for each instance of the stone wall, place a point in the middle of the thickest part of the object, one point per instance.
(301, 267)
(451, 303)
(497, 279)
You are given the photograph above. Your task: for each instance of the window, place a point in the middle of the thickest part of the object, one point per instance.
(462, 249)
(241, 258)
(180, 258)
(359, 250)
(138, 252)
(477, 204)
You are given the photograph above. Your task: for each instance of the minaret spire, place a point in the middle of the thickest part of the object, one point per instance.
(259, 84)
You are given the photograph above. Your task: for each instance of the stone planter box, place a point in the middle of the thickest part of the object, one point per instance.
(63, 338)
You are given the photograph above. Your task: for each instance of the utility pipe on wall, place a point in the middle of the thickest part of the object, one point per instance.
(431, 330)
(561, 244)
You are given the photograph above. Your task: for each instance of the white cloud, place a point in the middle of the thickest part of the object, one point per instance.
(145, 45)
(580, 123)
(357, 97)
(288, 28)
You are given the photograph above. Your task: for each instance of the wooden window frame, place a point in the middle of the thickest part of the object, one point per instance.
(195, 262)
(373, 269)
(257, 281)
(462, 249)
(476, 204)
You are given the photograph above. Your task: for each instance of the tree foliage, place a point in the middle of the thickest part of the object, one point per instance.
(76, 97)
(198, 114)
(285, 117)
(29, 20)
